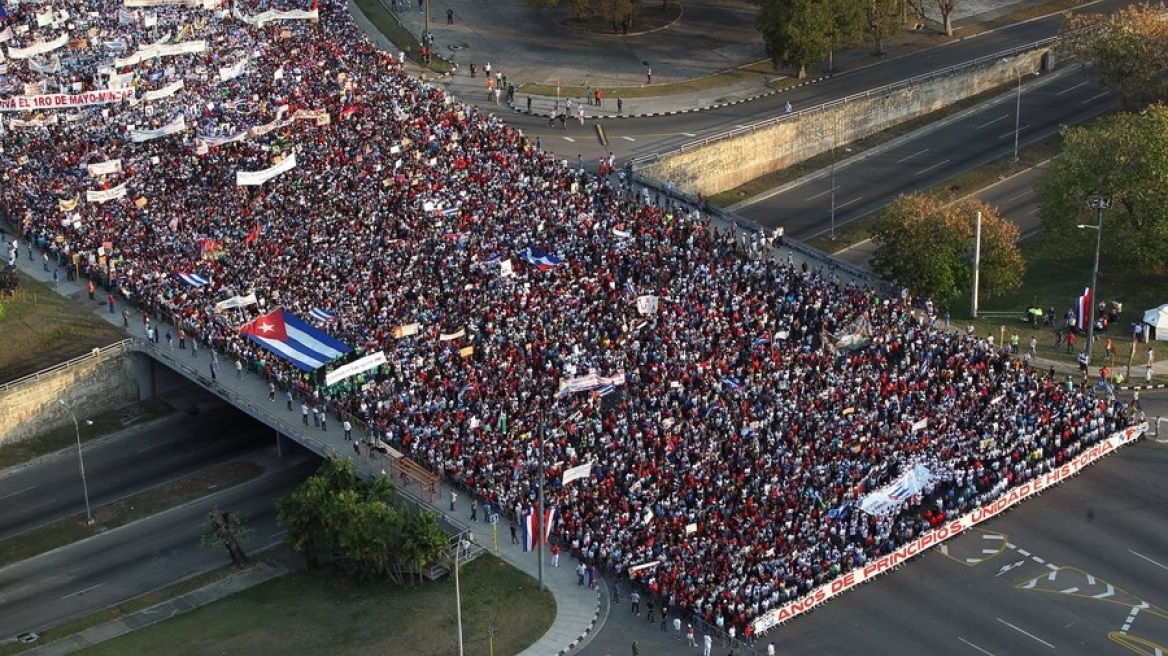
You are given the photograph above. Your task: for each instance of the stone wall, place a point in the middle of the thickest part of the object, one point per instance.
(91, 386)
(728, 163)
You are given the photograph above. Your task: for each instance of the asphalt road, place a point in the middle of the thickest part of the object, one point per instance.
(125, 464)
(1080, 570)
(137, 558)
(645, 136)
(870, 180)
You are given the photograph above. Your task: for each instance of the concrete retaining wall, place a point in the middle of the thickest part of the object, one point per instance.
(728, 163)
(91, 386)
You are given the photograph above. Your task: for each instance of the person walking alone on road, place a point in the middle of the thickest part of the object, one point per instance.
(348, 428)
(635, 603)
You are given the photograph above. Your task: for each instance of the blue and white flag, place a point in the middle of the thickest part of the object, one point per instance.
(321, 315)
(293, 339)
(541, 260)
(730, 383)
(193, 279)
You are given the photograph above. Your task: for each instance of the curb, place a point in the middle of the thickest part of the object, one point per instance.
(1136, 388)
(674, 112)
(591, 625)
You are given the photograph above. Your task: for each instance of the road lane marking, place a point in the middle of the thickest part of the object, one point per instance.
(1070, 590)
(691, 135)
(628, 138)
(1026, 633)
(931, 167)
(1010, 200)
(1095, 97)
(569, 139)
(1131, 617)
(825, 191)
(1068, 90)
(854, 200)
(989, 123)
(1140, 555)
(12, 494)
(987, 653)
(1011, 133)
(908, 157)
(81, 592)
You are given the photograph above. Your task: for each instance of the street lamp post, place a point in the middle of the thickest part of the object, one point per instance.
(539, 519)
(832, 144)
(458, 591)
(1017, 105)
(80, 461)
(1098, 203)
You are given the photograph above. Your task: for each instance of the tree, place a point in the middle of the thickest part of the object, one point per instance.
(946, 8)
(884, 20)
(799, 33)
(229, 530)
(926, 244)
(335, 516)
(1127, 50)
(1124, 157)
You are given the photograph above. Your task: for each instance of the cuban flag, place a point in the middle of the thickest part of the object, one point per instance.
(527, 532)
(1083, 310)
(541, 260)
(291, 338)
(193, 279)
(731, 383)
(321, 315)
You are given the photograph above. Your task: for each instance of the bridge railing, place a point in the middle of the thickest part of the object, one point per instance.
(956, 69)
(116, 347)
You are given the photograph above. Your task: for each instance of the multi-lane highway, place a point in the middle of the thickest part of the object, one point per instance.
(645, 136)
(139, 557)
(869, 180)
(125, 464)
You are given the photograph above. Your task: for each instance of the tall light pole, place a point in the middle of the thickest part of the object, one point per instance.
(458, 591)
(831, 142)
(1098, 203)
(976, 262)
(80, 461)
(1017, 105)
(539, 517)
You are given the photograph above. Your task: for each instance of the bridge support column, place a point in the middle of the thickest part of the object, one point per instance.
(144, 366)
(279, 445)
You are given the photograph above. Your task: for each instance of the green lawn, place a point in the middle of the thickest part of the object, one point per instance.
(42, 328)
(1055, 278)
(319, 614)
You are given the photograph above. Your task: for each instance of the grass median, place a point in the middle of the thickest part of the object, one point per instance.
(319, 613)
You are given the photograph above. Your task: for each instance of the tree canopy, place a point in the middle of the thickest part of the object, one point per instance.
(335, 514)
(1125, 158)
(927, 244)
(1127, 50)
(799, 33)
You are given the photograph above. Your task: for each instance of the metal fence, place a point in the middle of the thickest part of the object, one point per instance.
(117, 347)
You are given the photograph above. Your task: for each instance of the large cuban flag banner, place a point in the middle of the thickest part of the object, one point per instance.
(291, 338)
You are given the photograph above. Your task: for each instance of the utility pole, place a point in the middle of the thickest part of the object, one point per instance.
(976, 262)
(1098, 203)
(539, 517)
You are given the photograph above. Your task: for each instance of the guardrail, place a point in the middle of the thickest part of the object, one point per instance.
(748, 226)
(117, 347)
(645, 160)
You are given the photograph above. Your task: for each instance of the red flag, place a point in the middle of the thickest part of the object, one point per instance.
(270, 325)
(253, 235)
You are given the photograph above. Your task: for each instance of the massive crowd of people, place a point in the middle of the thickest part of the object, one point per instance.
(729, 465)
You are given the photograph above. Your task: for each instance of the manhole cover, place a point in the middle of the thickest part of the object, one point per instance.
(458, 46)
